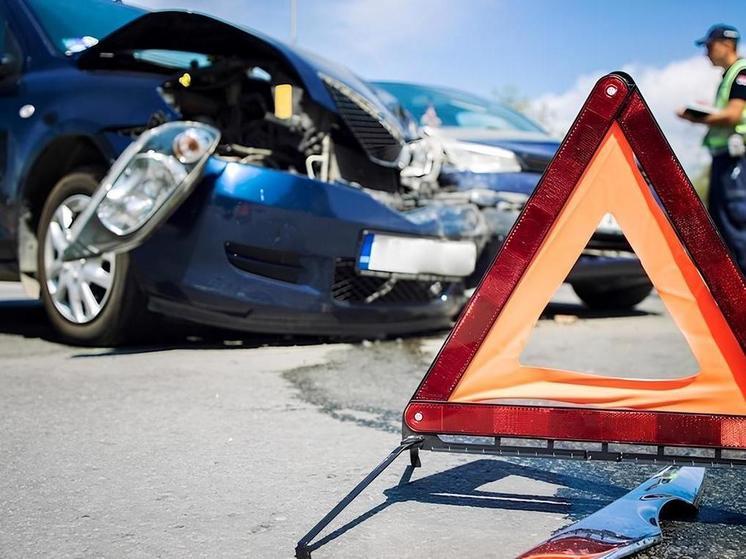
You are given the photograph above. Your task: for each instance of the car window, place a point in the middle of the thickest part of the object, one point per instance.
(74, 29)
(434, 106)
(173, 59)
(10, 51)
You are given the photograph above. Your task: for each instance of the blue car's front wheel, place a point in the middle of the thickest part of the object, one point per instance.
(79, 289)
(91, 301)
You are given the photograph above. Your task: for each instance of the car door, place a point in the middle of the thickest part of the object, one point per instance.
(11, 62)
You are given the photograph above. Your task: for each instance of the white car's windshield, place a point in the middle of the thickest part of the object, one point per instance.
(435, 106)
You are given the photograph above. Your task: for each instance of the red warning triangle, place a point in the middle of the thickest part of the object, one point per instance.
(615, 160)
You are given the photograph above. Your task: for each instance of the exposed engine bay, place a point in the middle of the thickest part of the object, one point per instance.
(275, 109)
(266, 119)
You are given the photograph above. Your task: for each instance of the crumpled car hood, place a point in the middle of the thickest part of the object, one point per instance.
(191, 32)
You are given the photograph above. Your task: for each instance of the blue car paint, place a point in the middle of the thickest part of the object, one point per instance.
(59, 114)
(183, 268)
(280, 212)
(308, 66)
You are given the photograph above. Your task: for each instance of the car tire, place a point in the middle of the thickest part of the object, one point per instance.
(94, 301)
(601, 297)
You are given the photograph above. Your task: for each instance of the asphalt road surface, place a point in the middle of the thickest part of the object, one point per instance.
(223, 445)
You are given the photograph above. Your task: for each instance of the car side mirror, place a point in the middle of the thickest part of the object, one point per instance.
(9, 65)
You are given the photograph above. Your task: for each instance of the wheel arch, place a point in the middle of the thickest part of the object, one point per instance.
(56, 159)
(59, 157)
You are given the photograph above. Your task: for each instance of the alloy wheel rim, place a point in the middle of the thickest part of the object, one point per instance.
(79, 289)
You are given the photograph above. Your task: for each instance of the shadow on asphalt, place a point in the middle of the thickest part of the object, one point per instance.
(23, 317)
(28, 319)
(581, 311)
(464, 486)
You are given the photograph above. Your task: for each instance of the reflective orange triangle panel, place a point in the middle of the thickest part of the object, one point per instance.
(613, 184)
(477, 384)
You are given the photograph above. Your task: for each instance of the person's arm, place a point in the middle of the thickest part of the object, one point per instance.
(729, 116)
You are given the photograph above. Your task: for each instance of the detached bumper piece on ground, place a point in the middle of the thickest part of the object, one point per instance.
(627, 525)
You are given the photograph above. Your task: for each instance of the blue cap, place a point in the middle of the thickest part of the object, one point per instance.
(719, 31)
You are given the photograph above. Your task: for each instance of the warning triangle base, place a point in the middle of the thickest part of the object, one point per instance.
(577, 450)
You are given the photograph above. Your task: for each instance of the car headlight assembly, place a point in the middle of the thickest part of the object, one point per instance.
(140, 190)
(478, 158)
(154, 173)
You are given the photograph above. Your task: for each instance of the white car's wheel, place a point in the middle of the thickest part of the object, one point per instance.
(92, 301)
(599, 296)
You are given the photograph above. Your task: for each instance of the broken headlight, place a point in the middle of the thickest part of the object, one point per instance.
(151, 178)
(142, 188)
(151, 170)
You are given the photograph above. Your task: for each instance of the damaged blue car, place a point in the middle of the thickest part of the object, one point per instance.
(170, 164)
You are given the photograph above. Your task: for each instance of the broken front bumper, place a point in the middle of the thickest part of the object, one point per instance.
(246, 247)
(267, 251)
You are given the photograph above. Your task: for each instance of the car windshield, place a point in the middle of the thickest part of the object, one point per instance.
(73, 29)
(435, 106)
(173, 59)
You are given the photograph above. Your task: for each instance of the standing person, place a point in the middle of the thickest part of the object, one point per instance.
(725, 139)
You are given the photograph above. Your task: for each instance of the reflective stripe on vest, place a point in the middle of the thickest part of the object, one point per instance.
(717, 137)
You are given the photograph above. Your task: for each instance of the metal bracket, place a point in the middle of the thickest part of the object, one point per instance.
(414, 457)
(581, 450)
(411, 443)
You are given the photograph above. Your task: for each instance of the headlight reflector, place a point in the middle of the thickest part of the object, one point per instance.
(139, 191)
(478, 158)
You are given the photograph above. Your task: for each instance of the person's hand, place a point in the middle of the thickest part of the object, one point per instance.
(681, 113)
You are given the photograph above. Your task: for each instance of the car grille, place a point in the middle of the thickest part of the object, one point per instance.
(380, 140)
(351, 287)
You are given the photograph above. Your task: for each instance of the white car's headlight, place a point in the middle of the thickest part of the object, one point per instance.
(140, 190)
(478, 158)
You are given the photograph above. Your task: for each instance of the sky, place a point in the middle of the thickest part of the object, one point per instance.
(546, 52)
